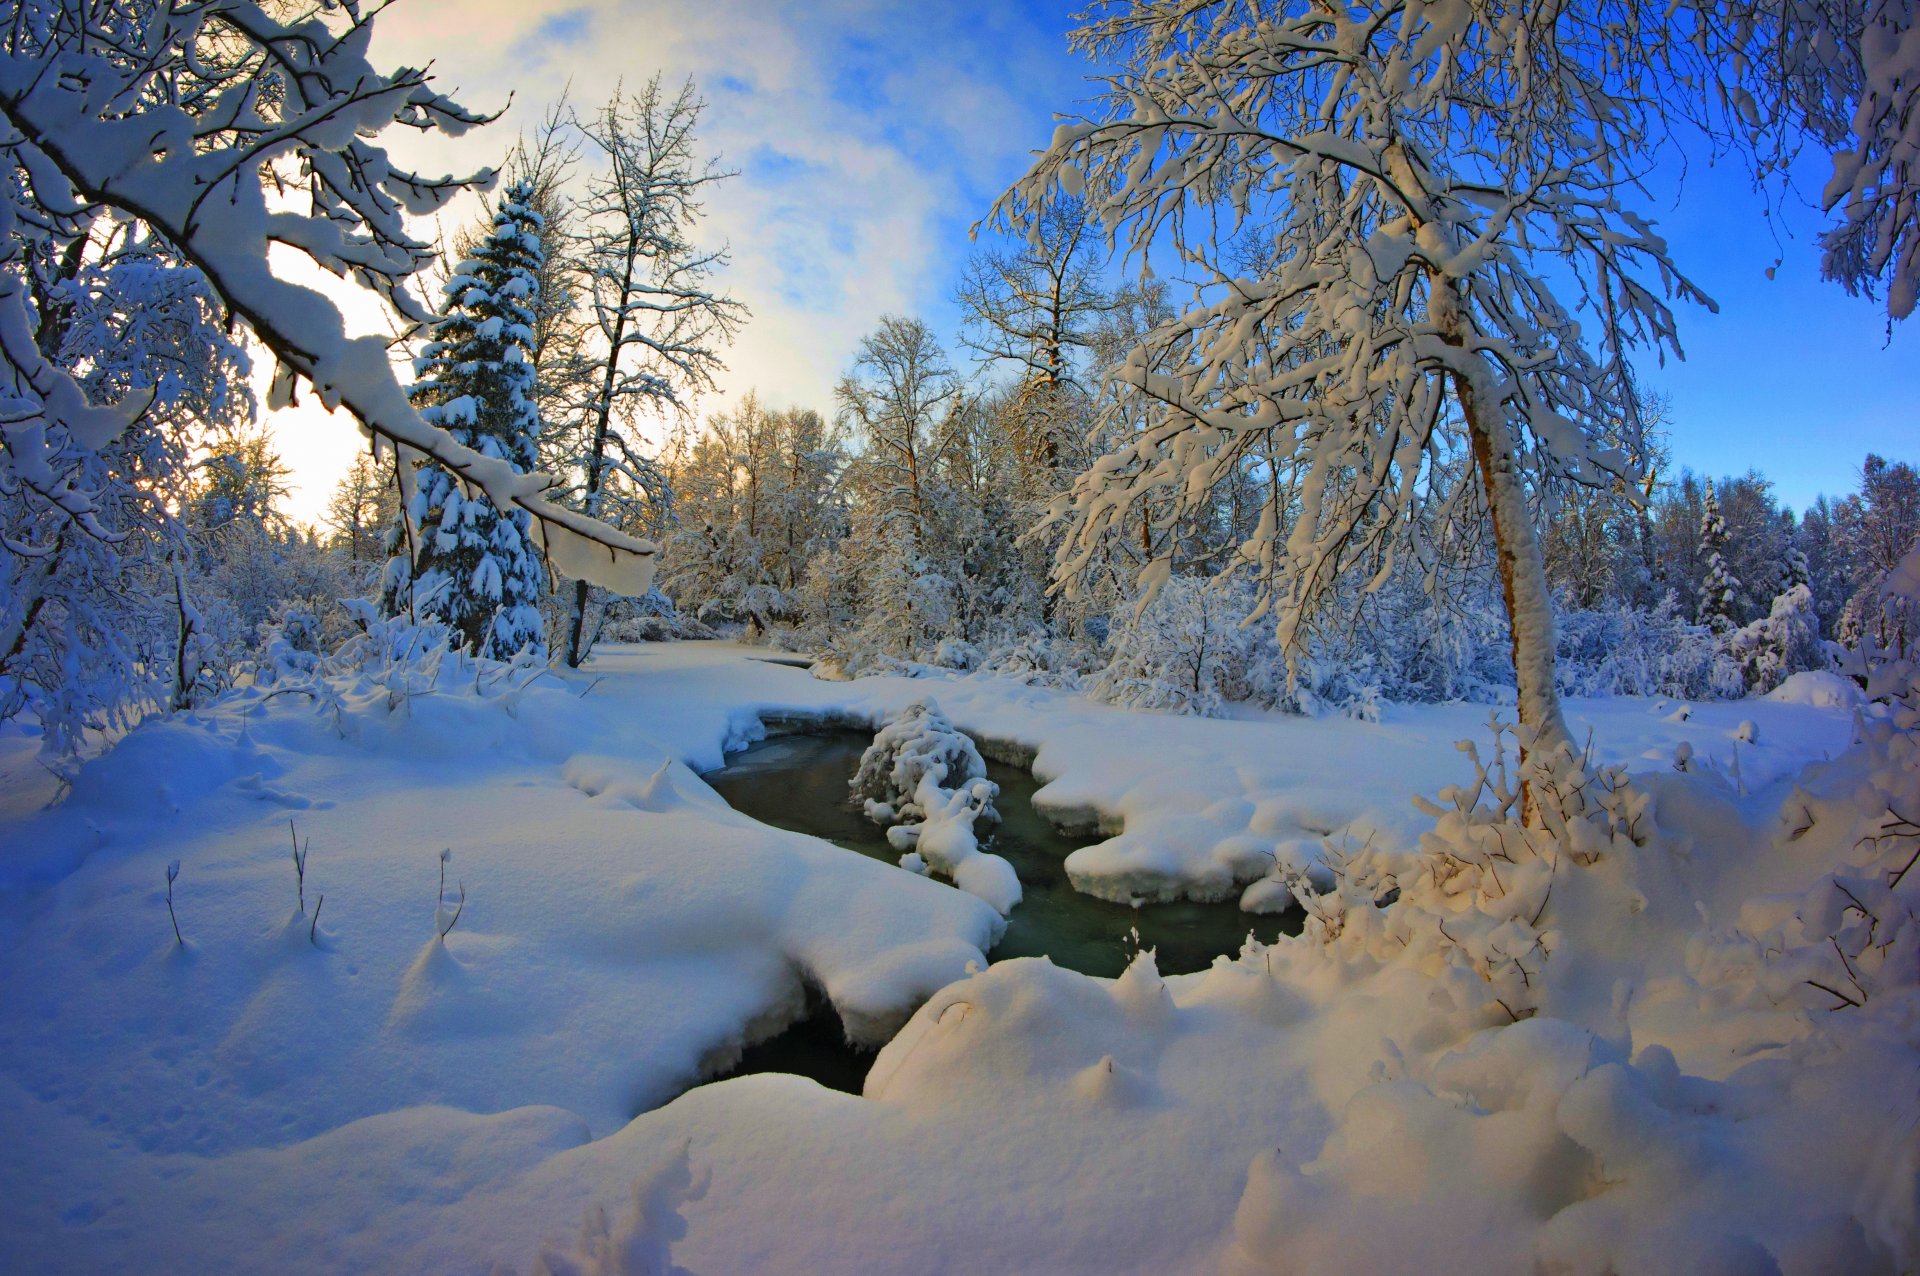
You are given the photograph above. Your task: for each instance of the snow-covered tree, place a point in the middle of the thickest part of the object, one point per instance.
(1784, 642)
(1883, 524)
(755, 499)
(1846, 77)
(904, 407)
(227, 132)
(657, 323)
(91, 599)
(1795, 569)
(1719, 588)
(466, 562)
(1366, 193)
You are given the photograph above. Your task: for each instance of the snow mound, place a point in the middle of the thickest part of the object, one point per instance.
(1818, 688)
(927, 779)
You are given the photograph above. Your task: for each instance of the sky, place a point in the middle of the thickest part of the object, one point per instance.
(869, 135)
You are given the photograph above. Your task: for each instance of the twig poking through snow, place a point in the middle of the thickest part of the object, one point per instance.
(440, 903)
(313, 927)
(455, 920)
(300, 865)
(173, 871)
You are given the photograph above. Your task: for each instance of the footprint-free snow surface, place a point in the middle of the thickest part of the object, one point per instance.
(354, 1093)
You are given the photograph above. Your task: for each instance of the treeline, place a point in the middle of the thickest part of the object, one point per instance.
(911, 528)
(1033, 501)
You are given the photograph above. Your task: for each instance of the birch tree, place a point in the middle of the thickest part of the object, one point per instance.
(657, 323)
(1368, 196)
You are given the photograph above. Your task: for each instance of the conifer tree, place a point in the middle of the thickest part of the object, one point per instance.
(473, 567)
(1795, 569)
(1720, 587)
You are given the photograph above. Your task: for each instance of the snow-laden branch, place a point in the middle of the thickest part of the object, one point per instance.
(91, 129)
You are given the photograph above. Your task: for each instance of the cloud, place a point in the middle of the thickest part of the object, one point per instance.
(867, 137)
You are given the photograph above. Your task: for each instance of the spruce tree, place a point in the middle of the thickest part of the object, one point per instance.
(473, 567)
(1719, 587)
(1795, 569)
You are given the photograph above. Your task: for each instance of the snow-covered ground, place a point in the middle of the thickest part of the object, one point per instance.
(358, 1095)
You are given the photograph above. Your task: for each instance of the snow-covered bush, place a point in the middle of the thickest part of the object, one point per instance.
(917, 743)
(1622, 650)
(652, 617)
(1854, 933)
(926, 779)
(1184, 650)
(1039, 659)
(1473, 906)
(1780, 644)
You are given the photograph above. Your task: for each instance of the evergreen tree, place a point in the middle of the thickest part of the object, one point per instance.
(1795, 569)
(1719, 588)
(473, 567)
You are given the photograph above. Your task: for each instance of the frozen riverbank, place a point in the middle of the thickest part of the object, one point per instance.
(371, 1100)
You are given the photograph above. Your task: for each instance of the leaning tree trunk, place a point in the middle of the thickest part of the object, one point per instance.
(1517, 554)
(1523, 572)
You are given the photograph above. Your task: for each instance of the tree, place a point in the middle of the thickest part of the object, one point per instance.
(1718, 587)
(657, 325)
(178, 117)
(755, 500)
(903, 404)
(1889, 520)
(246, 570)
(1035, 305)
(90, 585)
(1885, 524)
(467, 563)
(240, 480)
(363, 510)
(1365, 191)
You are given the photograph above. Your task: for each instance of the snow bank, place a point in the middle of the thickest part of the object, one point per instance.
(1680, 1098)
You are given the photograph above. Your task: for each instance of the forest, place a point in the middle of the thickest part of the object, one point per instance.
(1238, 702)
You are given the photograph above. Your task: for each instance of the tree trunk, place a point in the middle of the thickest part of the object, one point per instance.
(1523, 578)
(1517, 555)
(596, 457)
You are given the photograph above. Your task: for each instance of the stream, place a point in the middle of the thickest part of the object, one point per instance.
(799, 783)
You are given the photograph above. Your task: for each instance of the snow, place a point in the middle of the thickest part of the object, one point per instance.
(1818, 688)
(929, 782)
(375, 1098)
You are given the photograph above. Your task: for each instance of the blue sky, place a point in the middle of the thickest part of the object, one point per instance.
(870, 135)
